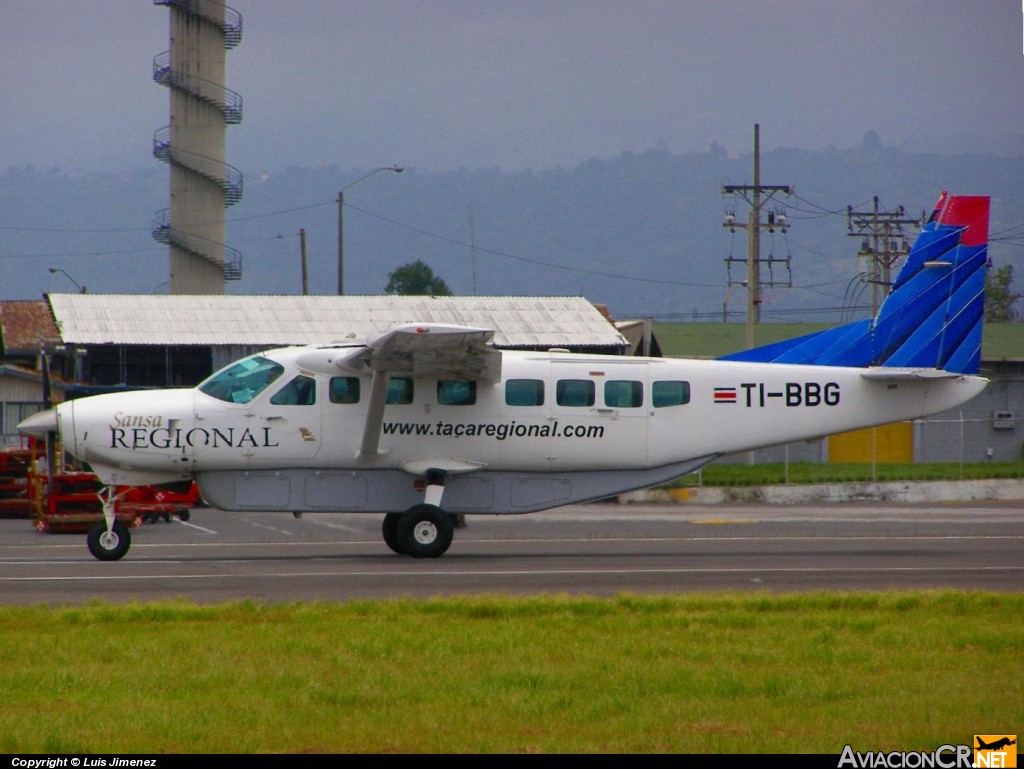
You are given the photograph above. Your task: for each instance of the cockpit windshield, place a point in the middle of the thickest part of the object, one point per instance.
(243, 381)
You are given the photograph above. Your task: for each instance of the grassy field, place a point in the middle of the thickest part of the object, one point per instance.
(694, 674)
(825, 472)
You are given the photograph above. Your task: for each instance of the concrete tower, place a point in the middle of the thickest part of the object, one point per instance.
(194, 144)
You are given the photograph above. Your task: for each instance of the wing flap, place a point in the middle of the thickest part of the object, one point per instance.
(460, 352)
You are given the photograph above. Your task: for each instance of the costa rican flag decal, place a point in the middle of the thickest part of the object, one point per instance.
(725, 395)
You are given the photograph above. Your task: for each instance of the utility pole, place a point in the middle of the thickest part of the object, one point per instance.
(305, 275)
(757, 195)
(341, 242)
(472, 246)
(883, 242)
(341, 221)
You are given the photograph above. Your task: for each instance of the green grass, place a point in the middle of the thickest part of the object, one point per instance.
(695, 674)
(824, 472)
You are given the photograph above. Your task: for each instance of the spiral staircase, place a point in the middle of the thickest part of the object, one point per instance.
(202, 183)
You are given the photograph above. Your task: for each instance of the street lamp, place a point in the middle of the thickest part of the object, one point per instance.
(341, 218)
(81, 289)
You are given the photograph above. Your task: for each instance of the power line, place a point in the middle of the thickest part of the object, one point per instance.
(527, 260)
(76, 254)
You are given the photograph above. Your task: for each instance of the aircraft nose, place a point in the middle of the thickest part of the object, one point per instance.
(40, 424)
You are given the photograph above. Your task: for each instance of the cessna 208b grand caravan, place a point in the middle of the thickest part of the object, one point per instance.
(428, 421)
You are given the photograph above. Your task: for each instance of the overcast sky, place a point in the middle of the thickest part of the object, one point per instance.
(439, 84)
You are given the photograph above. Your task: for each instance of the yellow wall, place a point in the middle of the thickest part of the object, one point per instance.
(892, 443)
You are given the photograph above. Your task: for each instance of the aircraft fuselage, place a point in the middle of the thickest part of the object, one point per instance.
(556, 428)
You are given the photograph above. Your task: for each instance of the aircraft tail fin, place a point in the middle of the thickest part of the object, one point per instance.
(932, 317)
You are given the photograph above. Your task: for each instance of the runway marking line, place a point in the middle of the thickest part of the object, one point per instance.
(198, 528)
(720, 521)
(516, 573)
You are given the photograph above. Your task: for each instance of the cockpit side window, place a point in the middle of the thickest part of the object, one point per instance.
(301, 391)
(243, 381)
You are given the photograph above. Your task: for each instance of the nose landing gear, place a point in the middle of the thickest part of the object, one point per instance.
(109, 539)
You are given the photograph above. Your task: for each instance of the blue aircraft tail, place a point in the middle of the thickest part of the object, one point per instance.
(932, 317)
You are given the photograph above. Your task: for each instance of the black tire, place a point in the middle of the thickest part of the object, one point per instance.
(109, 546)
(390, 530)
(425, 531)
(184, 515)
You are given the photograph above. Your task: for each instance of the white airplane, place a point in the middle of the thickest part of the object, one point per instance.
(428, 421)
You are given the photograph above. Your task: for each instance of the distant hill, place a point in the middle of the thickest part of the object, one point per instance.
(641, 233)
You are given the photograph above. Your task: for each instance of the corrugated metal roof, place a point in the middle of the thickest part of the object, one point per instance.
(286, 320)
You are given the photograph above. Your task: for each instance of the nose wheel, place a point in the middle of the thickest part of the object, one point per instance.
(108, 545)
(109, 540)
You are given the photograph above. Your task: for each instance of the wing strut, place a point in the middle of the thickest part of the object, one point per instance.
(419, 351)
(369, 449)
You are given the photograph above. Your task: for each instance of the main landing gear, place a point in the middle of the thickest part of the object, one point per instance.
(424, 530)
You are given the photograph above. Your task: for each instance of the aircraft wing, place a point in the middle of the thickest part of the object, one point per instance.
(417, 350)
(456, 352)
(459, 352)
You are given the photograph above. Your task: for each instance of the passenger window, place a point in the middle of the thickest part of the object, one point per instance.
(456, 392)
(574, 392)
(399, 391)
(524, 392)
(670, 394)
(623, 394)
(344, 389)
(301, 391)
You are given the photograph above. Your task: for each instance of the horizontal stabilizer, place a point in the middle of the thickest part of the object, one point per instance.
(932, 317)
(886, 374)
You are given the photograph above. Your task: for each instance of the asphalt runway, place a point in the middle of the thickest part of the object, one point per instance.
(598, 550)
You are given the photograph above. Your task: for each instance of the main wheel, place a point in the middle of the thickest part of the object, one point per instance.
(109, 545)
(425, 531)
(390, 530)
